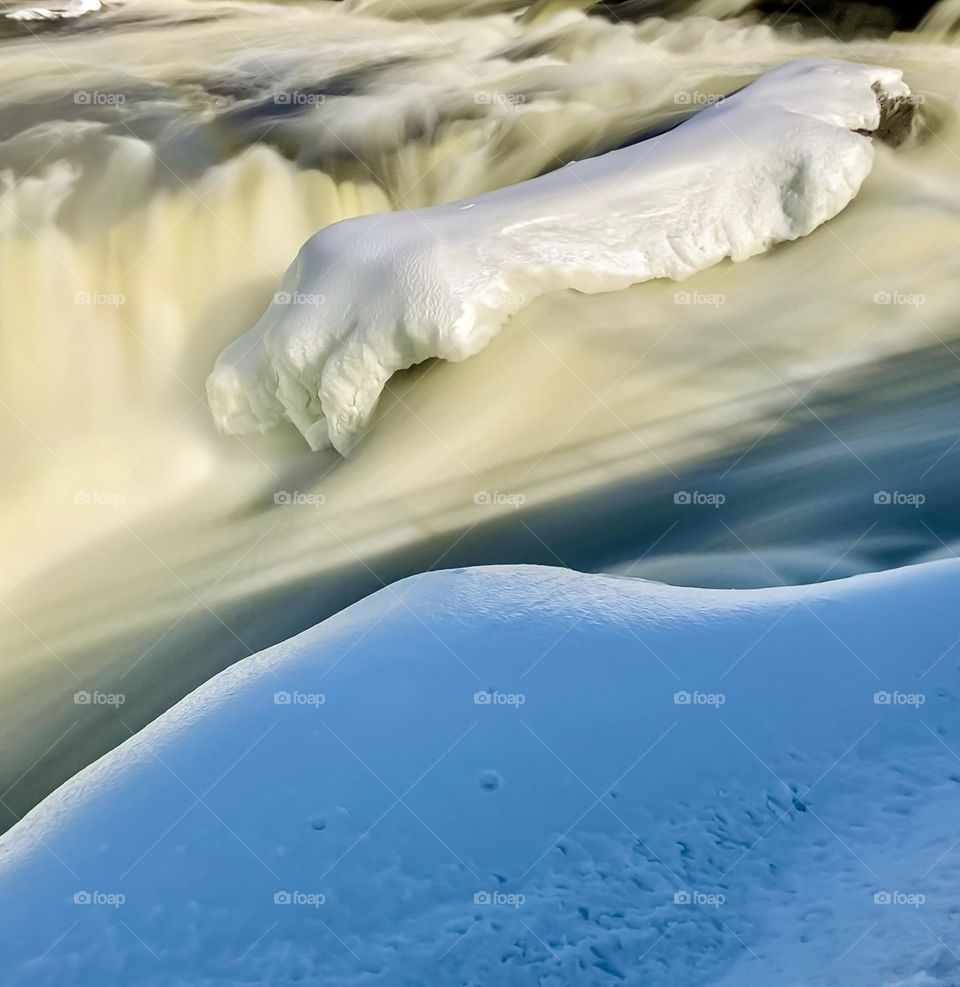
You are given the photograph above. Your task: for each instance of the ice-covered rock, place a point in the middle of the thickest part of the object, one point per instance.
(57, 12)
(375, 294)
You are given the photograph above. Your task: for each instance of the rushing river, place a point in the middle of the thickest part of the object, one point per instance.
(785, 420)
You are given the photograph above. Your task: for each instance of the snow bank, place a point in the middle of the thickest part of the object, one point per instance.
(74, 8)
(525, 776)
(375, 294)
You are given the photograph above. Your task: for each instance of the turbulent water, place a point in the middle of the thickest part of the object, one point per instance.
(785, 420)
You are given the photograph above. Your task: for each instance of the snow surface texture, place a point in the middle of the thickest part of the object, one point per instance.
(521, 776)
(74, 8)
(375, 294)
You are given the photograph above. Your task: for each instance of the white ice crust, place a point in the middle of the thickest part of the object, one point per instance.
(368, 296)
(521, 775)
(67, 11)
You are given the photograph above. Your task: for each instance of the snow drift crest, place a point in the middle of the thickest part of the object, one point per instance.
(375, 294)
(516, 775)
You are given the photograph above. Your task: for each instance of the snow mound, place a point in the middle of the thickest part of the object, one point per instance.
(375, 294)
(67, 11)
(525, 776)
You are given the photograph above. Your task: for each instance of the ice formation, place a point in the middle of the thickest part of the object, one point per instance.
(371, 295)
(519, 775)
(69, 10)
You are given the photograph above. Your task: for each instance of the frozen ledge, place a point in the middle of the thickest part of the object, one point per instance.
(67, 11)
(375, 294)
(517, 775)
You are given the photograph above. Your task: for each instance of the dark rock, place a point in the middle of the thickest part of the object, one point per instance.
(844, 19)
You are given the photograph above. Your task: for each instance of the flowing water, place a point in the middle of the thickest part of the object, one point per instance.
(785, 420)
